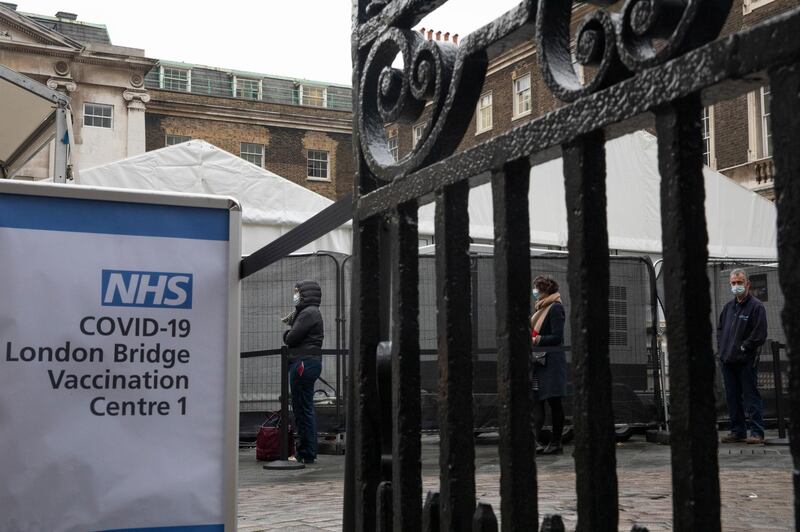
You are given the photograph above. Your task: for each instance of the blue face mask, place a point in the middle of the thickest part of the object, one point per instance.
(737, 289)
(535, 293)
(296, 299)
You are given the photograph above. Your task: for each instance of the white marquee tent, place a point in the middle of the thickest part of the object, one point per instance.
(741, 224)
(271, 205)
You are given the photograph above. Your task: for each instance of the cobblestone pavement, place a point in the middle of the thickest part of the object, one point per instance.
(755, 485)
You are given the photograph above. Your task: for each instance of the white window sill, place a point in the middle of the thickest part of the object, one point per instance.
(320, 179)
(482, 131)
(521, 115)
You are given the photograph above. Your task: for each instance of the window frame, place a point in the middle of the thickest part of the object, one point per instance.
(186, 138)
(242, 153)
(516, 113)
(102, 117)
(162, 79)
(708, 131)
(765, 121)
(393, 143)
(302, 90)
(327, 162)
(414, 137)
(757, 123)
(237, 89)
(479, 127)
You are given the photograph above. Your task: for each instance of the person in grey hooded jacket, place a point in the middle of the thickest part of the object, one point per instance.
(305, 363)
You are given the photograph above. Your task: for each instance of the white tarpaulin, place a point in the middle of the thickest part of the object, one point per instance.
(271, 205)
(741, 224)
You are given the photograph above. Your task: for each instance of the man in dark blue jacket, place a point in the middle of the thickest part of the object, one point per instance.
(741, 331)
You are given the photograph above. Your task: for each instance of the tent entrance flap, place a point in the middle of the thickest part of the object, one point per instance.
(38, 115)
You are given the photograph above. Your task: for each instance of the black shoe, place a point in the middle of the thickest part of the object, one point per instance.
(553, 448)
(539, 448)
(306, 460)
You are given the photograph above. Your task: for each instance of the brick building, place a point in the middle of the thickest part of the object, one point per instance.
(124, 103)
(736, 132)
(299, 129)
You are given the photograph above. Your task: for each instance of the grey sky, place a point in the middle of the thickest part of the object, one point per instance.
(294, 38)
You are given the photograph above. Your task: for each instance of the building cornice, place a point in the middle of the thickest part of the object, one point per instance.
(40, 49)
(511, 57)
(142, 64)
(260, 117)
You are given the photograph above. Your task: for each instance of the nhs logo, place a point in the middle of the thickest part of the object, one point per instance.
(123, 288)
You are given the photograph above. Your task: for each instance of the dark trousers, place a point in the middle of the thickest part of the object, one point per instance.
(556, 414)
(741, 392)
(302, 376)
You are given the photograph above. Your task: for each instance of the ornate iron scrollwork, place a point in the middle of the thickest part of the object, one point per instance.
(644, 34)
(435, 73)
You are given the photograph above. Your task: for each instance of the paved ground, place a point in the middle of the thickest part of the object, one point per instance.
(755, 484)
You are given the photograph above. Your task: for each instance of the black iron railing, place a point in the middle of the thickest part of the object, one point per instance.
(652, 58)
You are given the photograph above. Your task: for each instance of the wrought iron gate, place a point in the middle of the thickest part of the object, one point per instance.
(651, 58)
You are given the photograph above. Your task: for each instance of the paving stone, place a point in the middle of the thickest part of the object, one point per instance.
(755, 487)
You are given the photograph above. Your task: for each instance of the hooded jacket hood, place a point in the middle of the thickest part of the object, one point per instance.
(310, 294)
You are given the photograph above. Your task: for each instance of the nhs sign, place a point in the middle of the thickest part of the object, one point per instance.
(122, 288)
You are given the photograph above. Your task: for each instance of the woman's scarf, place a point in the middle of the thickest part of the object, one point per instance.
(542, 308)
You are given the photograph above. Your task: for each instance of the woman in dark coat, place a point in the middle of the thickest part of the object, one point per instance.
(549, 367)
(305, 363)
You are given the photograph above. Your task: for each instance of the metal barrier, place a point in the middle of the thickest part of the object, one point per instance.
(265, 300)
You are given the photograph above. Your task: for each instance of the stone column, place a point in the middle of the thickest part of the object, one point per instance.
(136, 98)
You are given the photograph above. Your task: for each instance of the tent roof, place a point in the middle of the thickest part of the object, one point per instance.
(271, 205)
(741, 223)
(29, 107)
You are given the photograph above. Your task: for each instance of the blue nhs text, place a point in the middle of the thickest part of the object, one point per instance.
(121, 288)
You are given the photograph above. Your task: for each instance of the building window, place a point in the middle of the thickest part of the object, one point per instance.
(522, 96)
(249, 89)
(97, 115)
(759, 105)
(253, 153)
(175, 79)
(177, 139)
(318, 165)
(313, 96)
(766, 122)
(417, 134)
(391, 144)
(707, 122)
(483, 122)
(749, 5)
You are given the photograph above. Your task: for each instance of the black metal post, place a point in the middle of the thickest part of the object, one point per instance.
(283, 462)
(588, 274)
(693, 429)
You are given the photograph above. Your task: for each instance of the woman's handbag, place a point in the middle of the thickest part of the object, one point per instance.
(540, 359)
(268, 440)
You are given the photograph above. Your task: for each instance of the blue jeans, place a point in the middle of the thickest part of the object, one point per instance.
(741, 392)
(302, 376)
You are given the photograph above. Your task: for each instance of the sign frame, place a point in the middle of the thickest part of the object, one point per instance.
(231, 379)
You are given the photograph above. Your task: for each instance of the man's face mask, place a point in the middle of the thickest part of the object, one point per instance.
(535, 293)
(737, 289)
(296, 299)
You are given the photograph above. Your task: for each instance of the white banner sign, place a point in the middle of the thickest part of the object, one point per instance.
(115, 361)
